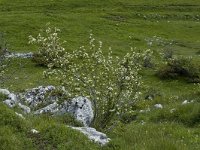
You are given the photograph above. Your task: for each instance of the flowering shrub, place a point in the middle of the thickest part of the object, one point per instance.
(49, 48)
(113, 84)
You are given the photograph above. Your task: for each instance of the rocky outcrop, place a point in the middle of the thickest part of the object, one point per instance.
(35, 96)
(79, 107)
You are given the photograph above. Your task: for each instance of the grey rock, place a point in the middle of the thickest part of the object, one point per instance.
(34, 131)
(80, 108)
(26, 109)
(52, 108)
(12, 97)
(187, 102)
(93, 135)
(4, 92)
(19, 55)
(36, 96)
(159, 106)
(9, 103)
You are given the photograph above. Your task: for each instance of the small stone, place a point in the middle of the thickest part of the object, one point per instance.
(4, 92)
(158, 106)
(185, 102)
(34, 131)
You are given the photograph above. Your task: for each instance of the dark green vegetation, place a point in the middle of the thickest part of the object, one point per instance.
(119, 24)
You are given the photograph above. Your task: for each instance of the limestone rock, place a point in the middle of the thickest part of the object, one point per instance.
(81, 108)
(35, 96)
(93, 135)
(52, 108)
(9, 103)
(12, 97)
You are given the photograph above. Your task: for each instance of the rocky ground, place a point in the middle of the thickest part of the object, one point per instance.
(80, 108)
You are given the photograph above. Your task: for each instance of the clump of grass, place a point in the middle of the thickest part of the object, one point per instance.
(13, 130)
(57, 136)
(188, 114)
(150, 136)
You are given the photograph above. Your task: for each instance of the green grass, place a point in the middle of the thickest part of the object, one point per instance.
(167, 136)
(120, 24)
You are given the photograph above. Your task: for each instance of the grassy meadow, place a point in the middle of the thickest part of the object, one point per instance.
(121, 24)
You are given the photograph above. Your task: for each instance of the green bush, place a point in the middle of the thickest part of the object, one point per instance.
(179, 67)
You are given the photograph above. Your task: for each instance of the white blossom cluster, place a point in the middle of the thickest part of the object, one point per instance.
(112, 83)
(49, 46)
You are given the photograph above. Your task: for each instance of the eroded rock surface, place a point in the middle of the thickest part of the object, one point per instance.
(93, 135)
(80, 107)
(36, 96)
(52, 108)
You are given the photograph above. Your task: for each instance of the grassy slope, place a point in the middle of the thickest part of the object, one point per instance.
(111, 22)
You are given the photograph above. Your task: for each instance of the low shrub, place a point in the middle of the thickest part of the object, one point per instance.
(179, 67)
